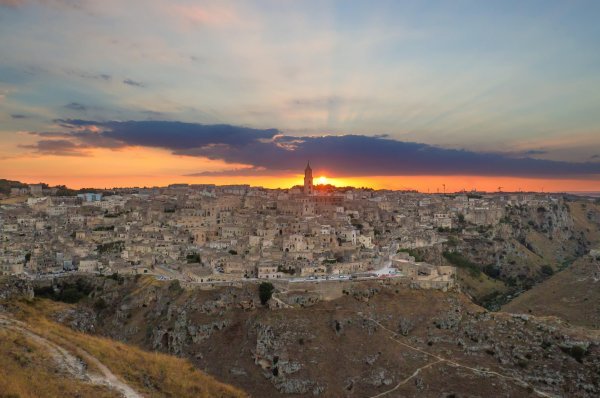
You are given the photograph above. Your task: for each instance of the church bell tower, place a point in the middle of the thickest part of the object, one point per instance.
(308, 180)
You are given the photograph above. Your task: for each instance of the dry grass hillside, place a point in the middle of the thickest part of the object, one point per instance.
(572, 294)
(42, 358)
(479, 285)
(586, 216)
(28, 370)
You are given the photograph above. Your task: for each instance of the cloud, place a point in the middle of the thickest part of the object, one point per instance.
(324, 102)
(76, 106)
(91, 76)
(153, 114)
(597, 156)
(56, 147)
(524, 153)
(177, 136)
(69, 4)
(19, 116)
(83, 139)
(11, 3)
(270, 151)
(356, 155)
(217, 15)
(130, 82)
(532, 152)
(240, 172)
(50, 134)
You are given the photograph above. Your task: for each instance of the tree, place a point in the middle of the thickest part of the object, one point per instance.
(175, 286)
(547, 270)
(265, 291)
(193, 258)
(492, 271)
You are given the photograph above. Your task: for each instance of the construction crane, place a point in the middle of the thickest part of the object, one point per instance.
(499, 189)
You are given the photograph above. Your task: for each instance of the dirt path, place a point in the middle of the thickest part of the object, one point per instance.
(73, 364)
(416, 372)
(438, 358)
(450, 362)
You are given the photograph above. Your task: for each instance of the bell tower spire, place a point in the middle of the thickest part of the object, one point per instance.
(308, 180)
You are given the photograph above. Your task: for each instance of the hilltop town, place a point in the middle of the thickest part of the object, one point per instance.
(216, 234)
(396, 279)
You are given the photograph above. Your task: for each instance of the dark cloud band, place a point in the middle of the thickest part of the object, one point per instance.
(269, 151)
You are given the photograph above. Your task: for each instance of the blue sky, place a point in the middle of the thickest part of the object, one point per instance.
(519, 78)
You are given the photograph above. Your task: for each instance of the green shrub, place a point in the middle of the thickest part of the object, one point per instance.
(68, 292)
(100, 304)
(453, 241)
(547, 270)
(458, 260)
(43, 291)
(290, 271)
(576, 351)
(265, 291)
(411, 252)
(116, 277)
(492, 271)
(104, 228)
(175, 287)
(111, 247)
(193, 258)
(70, 295)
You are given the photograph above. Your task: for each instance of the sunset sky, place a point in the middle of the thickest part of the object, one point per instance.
(386, 94)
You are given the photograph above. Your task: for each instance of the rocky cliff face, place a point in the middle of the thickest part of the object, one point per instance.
(375, 338)
(545, 233)
(529, 244)
(15, 288)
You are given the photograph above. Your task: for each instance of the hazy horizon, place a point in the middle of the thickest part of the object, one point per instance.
(319, 181)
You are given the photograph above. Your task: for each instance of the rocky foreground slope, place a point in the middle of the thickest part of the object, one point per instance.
(377, 339)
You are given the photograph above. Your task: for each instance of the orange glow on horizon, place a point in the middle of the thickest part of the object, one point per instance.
(138, 167)
(425, 184)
